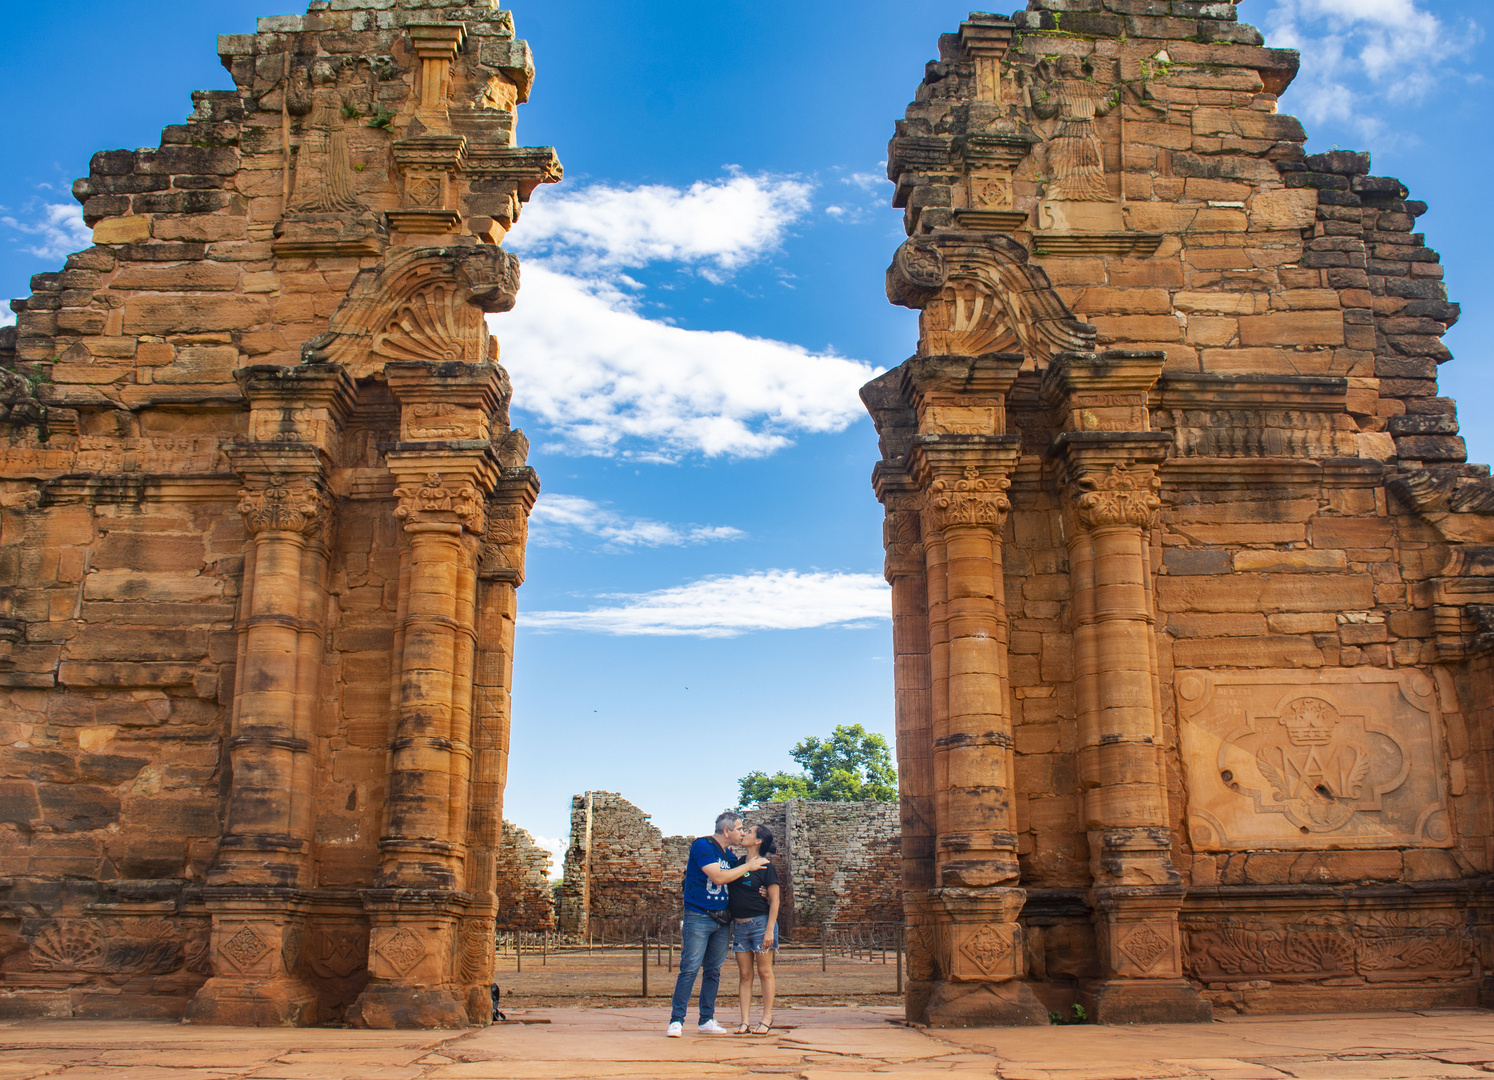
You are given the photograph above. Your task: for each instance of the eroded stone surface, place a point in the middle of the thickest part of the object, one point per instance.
(1190, 619)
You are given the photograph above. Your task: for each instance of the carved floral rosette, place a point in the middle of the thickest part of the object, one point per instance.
(969, 500)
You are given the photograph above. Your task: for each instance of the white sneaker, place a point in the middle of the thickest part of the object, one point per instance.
(675, 1030)
(710, 1027)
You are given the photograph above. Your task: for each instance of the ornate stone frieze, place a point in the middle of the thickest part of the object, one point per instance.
(969, 500)
(284, 503)
(1347, 758)
(1117, 496)
(1377, 946)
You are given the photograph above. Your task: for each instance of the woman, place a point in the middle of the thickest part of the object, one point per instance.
(753, 899)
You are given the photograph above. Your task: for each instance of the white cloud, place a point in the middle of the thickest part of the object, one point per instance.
(557, 518)
(59, 230)
(724, 224)
(1356, 50)
(7, 317)
(726, 606)
(607, 380)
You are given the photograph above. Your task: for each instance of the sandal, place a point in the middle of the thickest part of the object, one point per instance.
(742, 1029)
(760, 1028)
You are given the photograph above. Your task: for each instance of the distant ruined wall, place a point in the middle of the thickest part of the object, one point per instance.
(525, 899)
(838, 862)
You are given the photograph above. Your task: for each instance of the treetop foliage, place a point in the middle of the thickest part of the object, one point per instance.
(851, 765)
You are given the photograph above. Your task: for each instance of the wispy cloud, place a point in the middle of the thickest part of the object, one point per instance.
(557, 519)
(607, 380)
(56, 229)
(727, 606)
(719, 225)
(7, 317)
(1357, 50)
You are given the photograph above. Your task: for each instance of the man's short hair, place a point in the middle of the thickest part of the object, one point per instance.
(727, 817)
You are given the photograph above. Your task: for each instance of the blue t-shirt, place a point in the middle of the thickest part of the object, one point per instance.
(700, 892)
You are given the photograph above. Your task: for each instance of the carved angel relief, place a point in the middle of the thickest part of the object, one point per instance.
(323, 167)
(1068, 95)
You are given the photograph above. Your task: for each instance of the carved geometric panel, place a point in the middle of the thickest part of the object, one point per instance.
(1337, 758)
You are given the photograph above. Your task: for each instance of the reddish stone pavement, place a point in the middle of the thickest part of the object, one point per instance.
(822, 1042)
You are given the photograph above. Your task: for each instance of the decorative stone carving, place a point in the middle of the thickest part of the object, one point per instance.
(401, 948)
(1376, 946)
(244, 948)
(1337, 758)
(323, 168)
(1146, 944)
(979, 294)
(436, 496)
(1067, 94)
(337, 952)
(969, 500)
(128, 947)
(425, 304)
(296, 504)
(434, 421)
(1118, 497)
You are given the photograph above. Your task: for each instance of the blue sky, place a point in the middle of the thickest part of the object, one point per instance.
(702, 297)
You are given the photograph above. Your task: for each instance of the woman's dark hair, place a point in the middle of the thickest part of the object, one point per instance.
(765, 834)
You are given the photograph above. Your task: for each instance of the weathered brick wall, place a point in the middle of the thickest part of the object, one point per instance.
(526, 900)
(622, 874)
(838, 862)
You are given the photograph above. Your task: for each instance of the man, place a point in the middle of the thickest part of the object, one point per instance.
(707, 926)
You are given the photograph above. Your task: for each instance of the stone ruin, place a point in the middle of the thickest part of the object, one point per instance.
(838, 862)
(526, 900)
(262, 516)
(1192, 608)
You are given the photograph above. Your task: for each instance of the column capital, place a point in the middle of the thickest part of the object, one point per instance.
(1112, 476)
(288, 503)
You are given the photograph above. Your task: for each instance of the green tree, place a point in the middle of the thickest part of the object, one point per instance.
(852, 764)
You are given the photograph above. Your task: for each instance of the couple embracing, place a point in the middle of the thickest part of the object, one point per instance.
(729, 900)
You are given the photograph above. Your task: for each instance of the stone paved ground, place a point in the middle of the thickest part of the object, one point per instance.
(559, 1044)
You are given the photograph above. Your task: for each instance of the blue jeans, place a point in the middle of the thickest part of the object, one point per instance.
(703, 943)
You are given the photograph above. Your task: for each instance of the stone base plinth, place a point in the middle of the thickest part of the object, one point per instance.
(388, 1006)
(1145, 1001)
(983, 1004)
(228, 999)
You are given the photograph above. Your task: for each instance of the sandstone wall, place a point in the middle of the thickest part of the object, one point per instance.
(526, 900)
(257, 481)
(1191, 643)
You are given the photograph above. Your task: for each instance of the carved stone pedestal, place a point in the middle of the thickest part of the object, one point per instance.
(410, 947)
(1136, 932)
(980, 961)
(256, 950)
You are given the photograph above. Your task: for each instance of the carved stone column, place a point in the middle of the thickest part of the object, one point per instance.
(257, 887)
(961, 460)
(500, 573)
(444, 470)
(1111, 460)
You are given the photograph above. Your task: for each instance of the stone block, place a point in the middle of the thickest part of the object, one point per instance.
(192, 314)
(1300, 561)
(1292, 328)
(121, 230)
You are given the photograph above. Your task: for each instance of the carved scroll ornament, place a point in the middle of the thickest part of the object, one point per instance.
(979, 294)
(436, 497)
(425, 304)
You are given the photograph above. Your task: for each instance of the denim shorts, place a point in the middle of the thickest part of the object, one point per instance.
(747, 934)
